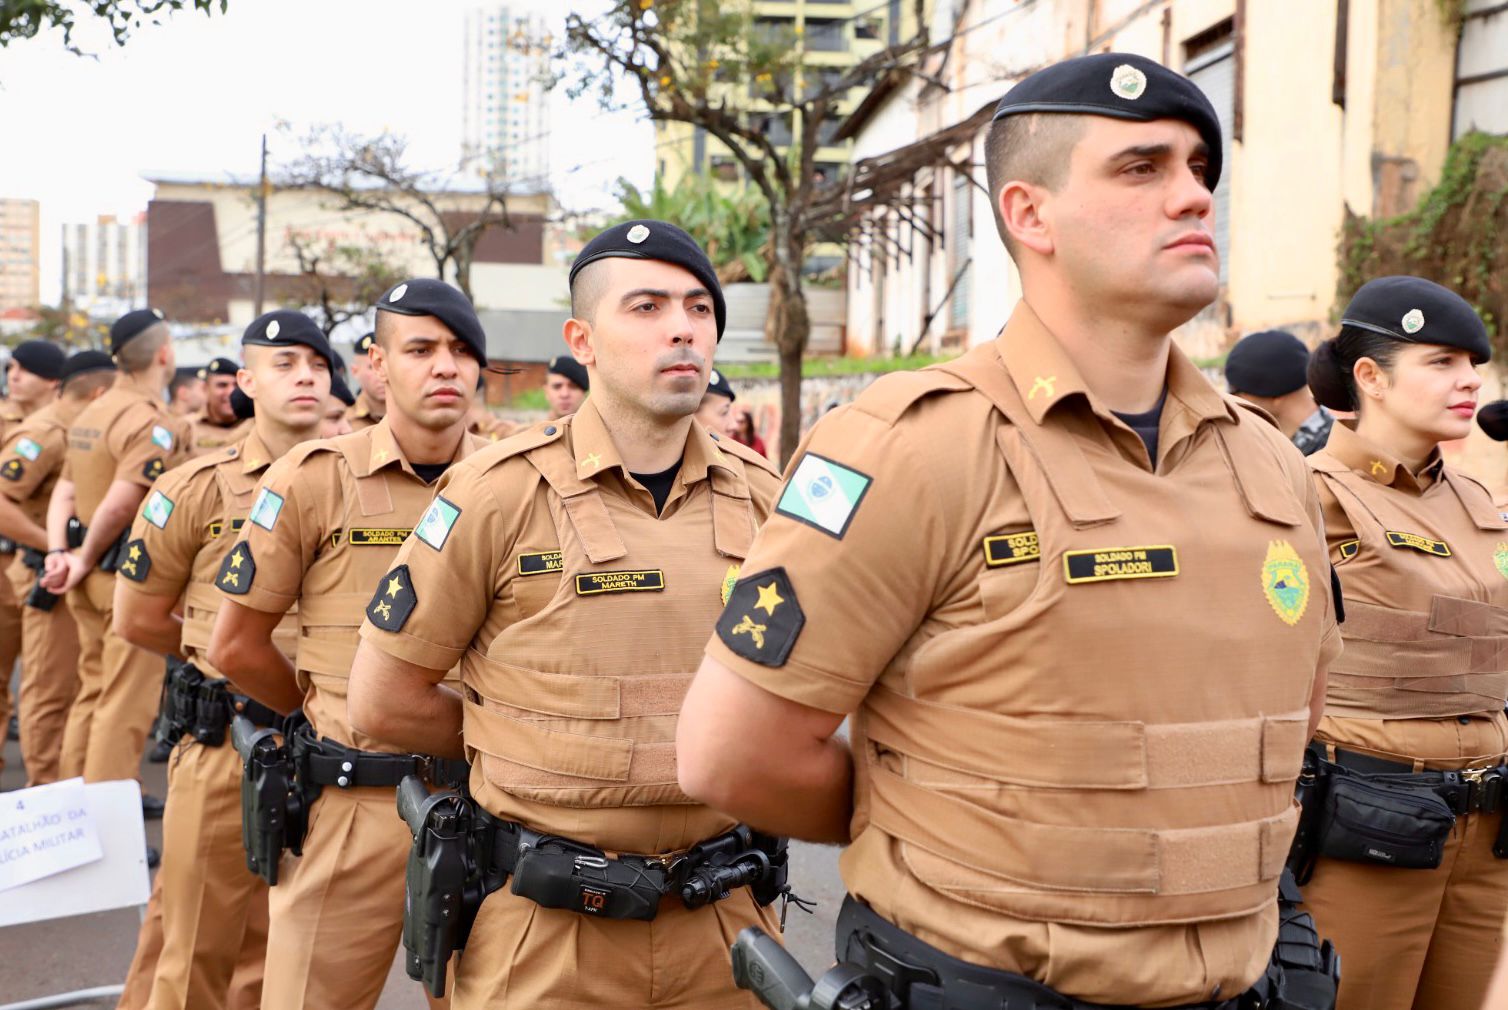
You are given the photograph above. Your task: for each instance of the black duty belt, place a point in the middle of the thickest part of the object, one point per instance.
(202, 707)
(1470, 790)
(323, 762)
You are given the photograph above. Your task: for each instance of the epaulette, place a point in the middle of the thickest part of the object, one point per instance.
(733, 447)
(890, 396)
(189, 468)
(1248, 405)
(517, 444)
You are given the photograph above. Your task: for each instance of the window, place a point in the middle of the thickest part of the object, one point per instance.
(960, 243)
(1209, 61)
(825, 36)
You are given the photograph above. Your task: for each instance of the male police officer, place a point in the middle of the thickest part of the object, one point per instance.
(217, 425)
(572, 572)
(117, 447)
(371, 402)
(1077, 601)
(214, 913)
(566, 385)
(326, 523)
(186, 391)
(31, 457)
(1271, 369)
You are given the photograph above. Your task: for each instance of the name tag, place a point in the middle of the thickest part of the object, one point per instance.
(1436, 547)
(1348, 549)
(597, 583)
(540, 564)
(1114, 563)
(377, 537)
(1011, 548)
(217, 527)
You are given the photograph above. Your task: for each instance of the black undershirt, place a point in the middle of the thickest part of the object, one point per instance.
(1146, 425)
(429, 472)
(659, 484)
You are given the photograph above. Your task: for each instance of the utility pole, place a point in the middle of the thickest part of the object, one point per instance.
(261, 232)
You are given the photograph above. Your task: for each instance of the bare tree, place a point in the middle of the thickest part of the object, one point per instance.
(714, 65)
(372, 174)
(342, 282)
(25, 19)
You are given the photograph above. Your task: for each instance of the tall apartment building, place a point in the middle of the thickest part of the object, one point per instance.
(505, 115)
(20, 254)
(105, 263)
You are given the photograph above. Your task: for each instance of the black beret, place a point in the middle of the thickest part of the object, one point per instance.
(1420, 312)
(221, 366)
(1121, 86)
(83, 362)
(241, 405)
(364, 344)
(1493, 419)
(656, 240)
(564, 364)
(132, 324)
(187, 372)
(425, 296)
(1269, 363)
(41, 358)
(340, 390)
(717, 383)
(282, 327)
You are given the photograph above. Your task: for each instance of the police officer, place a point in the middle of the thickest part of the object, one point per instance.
(1493, 420)
(340, 400)
(566, 385)
(31, 383)
(1076, 601)
(716, 410)
(1413, 743)
(371, 402)
(117, 446)
(214, 914)
(186, 391)
(573, 571)
(31, 457)
(217, 426)
(324, 527)
(1271, 369)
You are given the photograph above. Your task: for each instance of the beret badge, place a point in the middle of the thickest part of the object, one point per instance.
(1128, 82)
(1413, 321)
(638, 233)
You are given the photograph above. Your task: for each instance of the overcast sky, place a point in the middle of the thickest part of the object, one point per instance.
(195, 95)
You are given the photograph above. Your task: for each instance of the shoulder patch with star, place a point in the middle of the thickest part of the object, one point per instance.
(137, 563)
(393, 601)
(763, 618)
(153, 468)
(237, 570)
(13, 469)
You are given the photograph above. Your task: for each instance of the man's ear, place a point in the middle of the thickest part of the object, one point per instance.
(1021, 208)
(578, 337)
(246, 379)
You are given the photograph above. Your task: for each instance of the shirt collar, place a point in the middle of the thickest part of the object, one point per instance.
(1045, 375)
(596, 452)
(1377, 464)
(384, 450)
(255, 455)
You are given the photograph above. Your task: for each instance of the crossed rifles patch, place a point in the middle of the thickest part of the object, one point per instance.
(394, 600)
(237, 570)
(762, 619)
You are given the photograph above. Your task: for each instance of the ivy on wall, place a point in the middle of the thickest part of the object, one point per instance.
(1457, 235)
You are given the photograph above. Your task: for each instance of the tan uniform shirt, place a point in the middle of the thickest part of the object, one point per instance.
(31, 457)
(127, 434)
(208, 435)
(359, 414)
(322, 531)
(10, 416)
(493, 428)
(1080, 681)
(578, 616)
(188, 523)
(1423, 562)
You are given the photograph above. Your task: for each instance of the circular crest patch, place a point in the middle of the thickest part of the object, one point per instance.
(157, 313)
(1127, 82)
(1413, 321)
(638, 233)
(1500, 559)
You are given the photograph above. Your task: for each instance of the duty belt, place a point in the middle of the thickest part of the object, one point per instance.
(195, 705)
(323, 762)
(1468, 791)
(7, 545)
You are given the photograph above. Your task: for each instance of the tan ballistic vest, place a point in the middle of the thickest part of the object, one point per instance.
(576, 704)
(1133, 761)
(1450, 655)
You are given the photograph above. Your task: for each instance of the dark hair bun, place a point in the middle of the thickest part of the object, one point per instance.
(1493, 419)
(1327, 381)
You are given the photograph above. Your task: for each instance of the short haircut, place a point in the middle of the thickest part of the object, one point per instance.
(140, 351)
(1030, 147)
(382, 333)
(81, 386)
(179, 380)
(587, 290)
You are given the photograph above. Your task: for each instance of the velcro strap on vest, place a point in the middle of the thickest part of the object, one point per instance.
(1064, 754)
(573, 696)
(340, 610)
(200, 604)
(566, 758)
(1081, 859)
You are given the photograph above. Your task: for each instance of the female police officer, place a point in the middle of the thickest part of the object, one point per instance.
(1410, 750)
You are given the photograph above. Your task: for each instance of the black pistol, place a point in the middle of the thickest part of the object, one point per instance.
(441, 890)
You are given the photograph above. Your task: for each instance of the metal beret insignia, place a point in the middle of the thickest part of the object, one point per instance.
(1413, 321)
(273, 329)
(638, 233)
(1128, 82)
(398, 293)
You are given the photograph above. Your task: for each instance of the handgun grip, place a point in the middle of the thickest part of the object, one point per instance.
(764, 967)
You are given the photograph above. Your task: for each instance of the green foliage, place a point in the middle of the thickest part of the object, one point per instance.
(733, 225)
(1457, 236)
(813, 367)
(25, 19)
(531, 400)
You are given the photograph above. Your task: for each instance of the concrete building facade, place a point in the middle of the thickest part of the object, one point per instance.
(505, 67)
(20, 252)
(104, 264)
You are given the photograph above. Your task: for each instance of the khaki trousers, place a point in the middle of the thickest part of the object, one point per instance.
(213, 909)
(521, 956)
(10, 647)
(111, 735)
(49, 678)
(337, 911)
(138, 986)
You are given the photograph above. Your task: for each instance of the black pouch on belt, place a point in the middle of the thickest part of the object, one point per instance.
(558, 876)
(1371, 819)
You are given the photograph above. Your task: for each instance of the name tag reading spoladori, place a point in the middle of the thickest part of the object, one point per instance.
(1111, 563)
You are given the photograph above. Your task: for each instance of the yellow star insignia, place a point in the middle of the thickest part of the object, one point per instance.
(135, 552)
(1043, 384)
(1377, 468)
(384, 610)
(394, 587)
(769, 599)
(236, 559)
(592, 460)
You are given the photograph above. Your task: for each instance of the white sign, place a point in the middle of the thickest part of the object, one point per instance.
(118, 880)
(45, 830)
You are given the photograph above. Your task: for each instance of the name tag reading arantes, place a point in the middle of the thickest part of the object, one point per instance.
(597, 583)
(377, 537)
(1111, 563)
(1439, 548)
